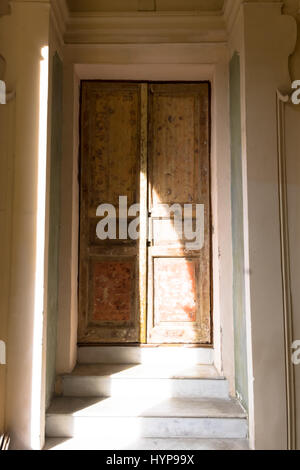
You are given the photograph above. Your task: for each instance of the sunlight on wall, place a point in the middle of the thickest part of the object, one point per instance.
(40, 250)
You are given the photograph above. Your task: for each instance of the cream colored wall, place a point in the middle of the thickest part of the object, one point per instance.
(68, 260)
(6, 140)
(265, 40)
(292, 117)
(55, 47)
(23, 33)
(292, 140)
(266, 31)
(7, 114)
(236, 45)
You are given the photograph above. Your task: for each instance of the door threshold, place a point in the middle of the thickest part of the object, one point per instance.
(141, 354)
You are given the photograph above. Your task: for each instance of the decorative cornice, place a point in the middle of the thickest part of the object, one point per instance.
(232, 8)
(95, 14)
(60, 15)
(230, 12)
(142, 27)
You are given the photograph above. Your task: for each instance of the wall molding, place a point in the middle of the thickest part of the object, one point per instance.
(59, 16)
(230, 13)
(145, 27)
(282, 100)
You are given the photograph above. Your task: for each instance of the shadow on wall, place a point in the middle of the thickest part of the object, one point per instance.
(240, 342)
(54, 225)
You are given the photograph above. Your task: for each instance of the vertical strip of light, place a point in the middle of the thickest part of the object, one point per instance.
(37, 352)
(143, 214)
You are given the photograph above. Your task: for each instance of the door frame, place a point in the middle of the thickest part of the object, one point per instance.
(217, 74)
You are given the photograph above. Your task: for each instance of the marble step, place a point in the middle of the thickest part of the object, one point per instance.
(148, 417)
(167, 355)
(120, 444)
(129, 380)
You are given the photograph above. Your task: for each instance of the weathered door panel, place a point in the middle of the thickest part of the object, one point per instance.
(109, 269)
(115, 291)
(179, 304)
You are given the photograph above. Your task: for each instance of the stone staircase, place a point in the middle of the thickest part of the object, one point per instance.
(145, 398)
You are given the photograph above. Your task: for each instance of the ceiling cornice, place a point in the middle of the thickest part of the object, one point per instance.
(95, 14)
(145, 28)
(60, 16)
(231, 9)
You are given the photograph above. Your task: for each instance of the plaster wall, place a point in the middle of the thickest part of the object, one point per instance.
(243, 364)
(53, 220)
(292, 122)
(265, 39)
(7, 117)
(269, 39)
(23, 34)
(237, 217)
(292, 145)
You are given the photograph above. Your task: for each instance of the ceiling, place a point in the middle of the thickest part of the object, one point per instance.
(88, 6)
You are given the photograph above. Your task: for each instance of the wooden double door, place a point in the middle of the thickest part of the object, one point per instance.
(146, 280)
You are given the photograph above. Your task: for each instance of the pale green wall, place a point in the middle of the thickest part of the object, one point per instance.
(238, 233)
(54, 226)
